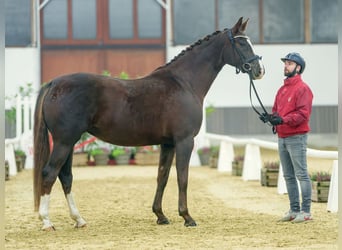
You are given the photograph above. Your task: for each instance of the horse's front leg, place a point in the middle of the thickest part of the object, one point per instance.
(166, 156)
(183, 154)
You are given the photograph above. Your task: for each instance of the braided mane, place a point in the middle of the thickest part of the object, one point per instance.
(190, 47)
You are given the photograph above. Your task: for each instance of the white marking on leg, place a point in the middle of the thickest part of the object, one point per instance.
(44, 212)
(74, 213)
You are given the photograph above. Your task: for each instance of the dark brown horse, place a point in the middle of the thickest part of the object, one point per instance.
(163, 108)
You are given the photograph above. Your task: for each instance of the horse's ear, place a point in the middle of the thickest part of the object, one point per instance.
(237, 26)
(243, 26)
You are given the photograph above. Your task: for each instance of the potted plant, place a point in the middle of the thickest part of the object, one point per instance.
(269, 174)
(213, 158)
(237, 165)
(121, 155)
(100, 156)
(204, 155)
(6, 171)
(320, 182)
(20, 158)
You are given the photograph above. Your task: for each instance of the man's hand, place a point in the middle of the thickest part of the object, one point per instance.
(265, 117)
(275, 120)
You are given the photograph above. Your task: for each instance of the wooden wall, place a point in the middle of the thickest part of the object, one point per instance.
(135, 62)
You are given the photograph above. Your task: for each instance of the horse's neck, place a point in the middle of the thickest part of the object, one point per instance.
(199, 67)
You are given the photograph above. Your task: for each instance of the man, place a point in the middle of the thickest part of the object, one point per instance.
(290, 119)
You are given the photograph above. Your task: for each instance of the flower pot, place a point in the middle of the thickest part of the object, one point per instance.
(20, 162)
(204, 158)
(101, 159)
(6, 171)
(122, 159)
(213, 160)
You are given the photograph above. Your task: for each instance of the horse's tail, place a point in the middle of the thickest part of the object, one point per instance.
(41, 146)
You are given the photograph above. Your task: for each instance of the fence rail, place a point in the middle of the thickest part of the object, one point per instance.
(252, 162)
(24, 135)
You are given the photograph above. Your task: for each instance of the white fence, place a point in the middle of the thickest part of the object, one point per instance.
(24, 133)
(252, 162)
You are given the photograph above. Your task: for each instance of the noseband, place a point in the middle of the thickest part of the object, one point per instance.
(246, 62)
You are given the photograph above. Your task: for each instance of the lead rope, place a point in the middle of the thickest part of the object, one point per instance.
(251, 85)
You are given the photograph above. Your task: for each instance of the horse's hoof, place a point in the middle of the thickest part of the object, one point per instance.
(80, 226)
(49, 229)
(163, 221)
(190, 224)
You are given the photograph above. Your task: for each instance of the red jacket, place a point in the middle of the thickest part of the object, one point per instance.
(293, 103)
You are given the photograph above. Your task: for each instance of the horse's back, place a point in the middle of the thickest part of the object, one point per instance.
(149, 110)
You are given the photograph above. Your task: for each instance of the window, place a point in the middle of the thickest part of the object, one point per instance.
(18, 23)
(121, 19)
(103, 22)
(149, 19)
(283, 21)
(56, 20)
(230, 11)
(271, 21)
(192, 20)
(84, 19)
(324, 21)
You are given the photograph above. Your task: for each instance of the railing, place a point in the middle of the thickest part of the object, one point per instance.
(252, 161)
(24, 135)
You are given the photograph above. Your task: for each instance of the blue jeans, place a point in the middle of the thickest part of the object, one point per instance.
(292, 153)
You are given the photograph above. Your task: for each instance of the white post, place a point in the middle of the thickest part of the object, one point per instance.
(282, 189)
(252, 163)
(18, 116)
(33, 106)
(10, 157)
(226, 156)
(332, 205)
(27, 105)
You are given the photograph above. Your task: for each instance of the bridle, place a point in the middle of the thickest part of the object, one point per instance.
(246, 68)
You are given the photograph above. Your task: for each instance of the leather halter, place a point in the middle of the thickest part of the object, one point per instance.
(245, 66)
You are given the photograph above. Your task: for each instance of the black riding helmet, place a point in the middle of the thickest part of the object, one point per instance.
(297, 58)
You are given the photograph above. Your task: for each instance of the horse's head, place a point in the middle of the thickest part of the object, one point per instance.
(240, 53)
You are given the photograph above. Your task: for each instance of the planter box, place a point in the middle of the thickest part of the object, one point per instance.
(6, 171)
(147, 158)
(269, 177)
(80, 159)
(320, 191)
(122, 159)
(213, 160)
(237, 167)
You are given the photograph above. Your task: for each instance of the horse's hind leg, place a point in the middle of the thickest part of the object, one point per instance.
(65, 177)
(165, 161)
(50, 172)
